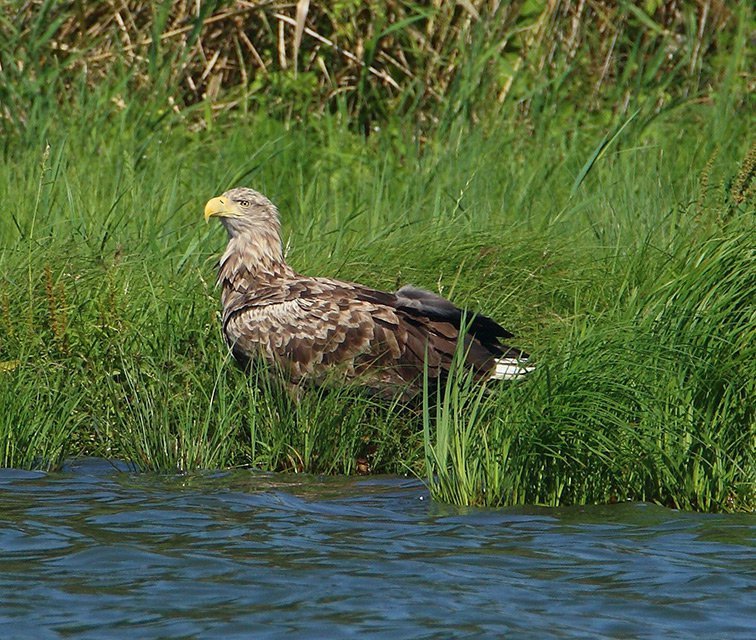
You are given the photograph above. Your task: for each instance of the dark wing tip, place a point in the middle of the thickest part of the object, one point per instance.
(434, 306)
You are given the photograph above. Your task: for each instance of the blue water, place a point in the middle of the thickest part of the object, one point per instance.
(95, 552)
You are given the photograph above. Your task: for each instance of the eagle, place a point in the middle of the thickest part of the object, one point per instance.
(313, 329)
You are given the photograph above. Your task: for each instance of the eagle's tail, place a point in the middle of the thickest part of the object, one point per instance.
(508, 368)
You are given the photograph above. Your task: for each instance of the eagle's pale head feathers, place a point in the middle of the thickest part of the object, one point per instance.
(253, 226)
(244, 211)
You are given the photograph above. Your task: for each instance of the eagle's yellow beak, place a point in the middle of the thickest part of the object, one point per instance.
(216, 207)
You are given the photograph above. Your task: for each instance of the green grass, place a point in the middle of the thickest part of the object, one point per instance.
(652, 401)
(619, 249)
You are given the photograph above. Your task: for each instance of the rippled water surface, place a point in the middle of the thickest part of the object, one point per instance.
(99, 553)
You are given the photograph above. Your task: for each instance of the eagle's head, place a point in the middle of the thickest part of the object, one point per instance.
(243, 211)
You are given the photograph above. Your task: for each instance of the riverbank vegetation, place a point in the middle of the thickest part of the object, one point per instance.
(583, 172)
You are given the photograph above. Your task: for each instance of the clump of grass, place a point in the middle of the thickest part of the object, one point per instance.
(40, 413)
(326, 430)
(166, 414)
(454, 418)
(656, 406)
(168, 418)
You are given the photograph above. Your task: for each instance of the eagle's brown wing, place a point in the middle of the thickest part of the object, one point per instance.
(313, 327)
(310, 327)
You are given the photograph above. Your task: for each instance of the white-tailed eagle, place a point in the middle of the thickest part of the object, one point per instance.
(313, 328)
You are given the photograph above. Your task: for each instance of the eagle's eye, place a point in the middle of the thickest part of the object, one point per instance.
(244, 203)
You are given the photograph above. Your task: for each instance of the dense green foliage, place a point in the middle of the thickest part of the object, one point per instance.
(615, 238)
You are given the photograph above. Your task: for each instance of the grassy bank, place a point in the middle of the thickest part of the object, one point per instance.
(619, 247)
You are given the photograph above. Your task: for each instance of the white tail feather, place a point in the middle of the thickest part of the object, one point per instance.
(508, 368)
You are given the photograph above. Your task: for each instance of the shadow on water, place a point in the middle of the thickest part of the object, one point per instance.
(97, 551)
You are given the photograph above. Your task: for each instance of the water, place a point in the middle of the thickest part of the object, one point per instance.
(99, 553)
